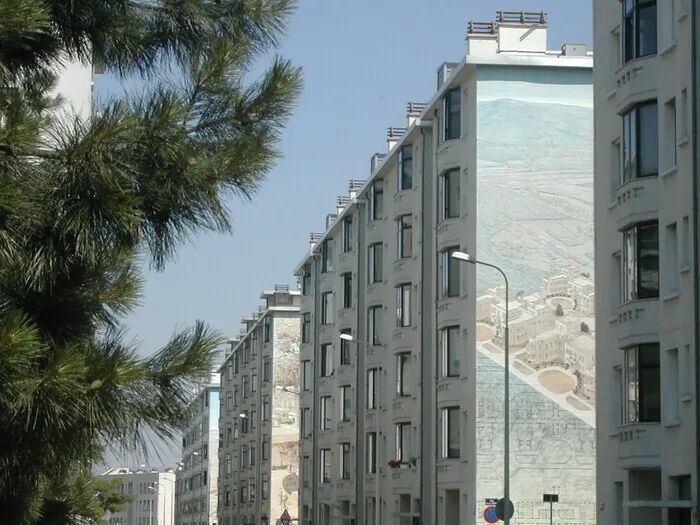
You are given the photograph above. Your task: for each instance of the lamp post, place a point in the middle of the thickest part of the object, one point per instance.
(464, 257)
(377, 511)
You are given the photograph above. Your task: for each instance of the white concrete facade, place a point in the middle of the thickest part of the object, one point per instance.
(258, 425)
(196, 487)
(75, 86)
(646, 261)
(400, 425)
(153, 496)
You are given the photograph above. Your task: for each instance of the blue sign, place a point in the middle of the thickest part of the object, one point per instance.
(490, 515)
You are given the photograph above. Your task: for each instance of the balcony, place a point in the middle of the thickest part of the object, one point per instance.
(637, 322)
(404, 203)
(636, 82)
(636, 201)
(449, 233)
(639, 445)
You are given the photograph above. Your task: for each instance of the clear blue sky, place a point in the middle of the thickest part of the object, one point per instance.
(363, 61)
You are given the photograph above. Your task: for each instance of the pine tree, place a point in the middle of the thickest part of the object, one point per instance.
(83, 202)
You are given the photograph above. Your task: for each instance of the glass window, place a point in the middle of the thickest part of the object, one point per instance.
(326, 419)
(376, 205)
(639, 29)
(640, 262)
(450, 274)
(347, 290)
(452, 114)
(403, 305)
(403, 371)
(406, 168)
(266, 369)
(451, 194)
(306, 280)
(345, 349)
(327, 256)
(643, 384)
(372, 388)
(347, 234)
(326, 360)
(327, 308)
(306, 378)
(306, 327)
(375, 324)
(405, 230)
(375, 263)
(640, 142)
(450, 433)
(371, 452)
(326, 465)
(403, 442)
(449, 352)
(345, 461)
(345, 403)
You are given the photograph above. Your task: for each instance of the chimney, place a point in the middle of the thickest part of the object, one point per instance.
(343, 201)
(376, 161)
(313, 240)
(481, 39)
(355, 186)
(413, 112)
(393, 135)
(521, 32)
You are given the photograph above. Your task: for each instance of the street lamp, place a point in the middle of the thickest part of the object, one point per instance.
(377, 514)
(465, 257)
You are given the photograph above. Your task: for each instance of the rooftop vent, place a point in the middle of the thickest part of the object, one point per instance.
(354, 186)
(393, 135)
(313, 239)
(343, 201)
(413, 111)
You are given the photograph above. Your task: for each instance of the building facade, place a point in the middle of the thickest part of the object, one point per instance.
(153, 494)
(197, 478)
(646, 261)
(402, 367)
(258, 425)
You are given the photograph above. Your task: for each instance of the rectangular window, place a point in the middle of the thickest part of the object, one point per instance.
(406, 168)
(326, 369)
(345, 403)
(672, 386)
(345, 349)
(267, 329)
(642, 384)
(265, 414)
(265, 486)
(325, 413)
(683, 132)
(449, 352)
(685, 259)
(452, 114)
(670, 148)
(345, 461)
(327, 308)
(403, 442)
(450, 433)
(265, 449)
(671, 274)
(639, 29)
(450, 274)
(640, 142)
(371, 466)
(306, 470)
(253, 380)
(306, 280)
(405, 236)
(403, 305)
(306, 327)
(327, 256)
(347, 235)
(326, 465)
(375, 263)
(375, 325)
(403, 372)
(266, 369)
(306, 375)
(306, 423)
(640, 262)
(372, 388)
(451, 194)
(347, 290)
(680, 488)
(376, 203)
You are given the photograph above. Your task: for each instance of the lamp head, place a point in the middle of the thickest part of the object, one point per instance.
(347, 337)
(461, 256)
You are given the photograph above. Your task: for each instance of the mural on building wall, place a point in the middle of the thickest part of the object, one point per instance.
(284, 482)
(535, 221)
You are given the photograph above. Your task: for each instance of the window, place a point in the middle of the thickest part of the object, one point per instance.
(345, 403)
(306, 327)
(375, 325)
(640, 142)
(684, 115)
(325, 413)
(229, 464)
(405, 237)
(450, 194)
(449, 432)
(306, 470)
(670, 279)
(639, 29)
(406, 168)
(265, 414)
(345, 349)
(326, 465)
(306, 375)
(345, 463)
(685, 260)
(327, 308)
(642, 385)
(267, 330)
(265, 448)
(452, 114)
(403, 442)
(673, 388)
(253, 380)
(375, 263)
(640, 262)
(372, 388)
(371, 466)
(326, 360)
(347, 290)
(327, 256)
(306, 423)
(450, 274)
(680, 488)
(449, 351)
(670, 149)
(403, 371)
(265, 486)
(266, 369)
(346, 236)
(403, 305)
(376, 203)
(306, 280)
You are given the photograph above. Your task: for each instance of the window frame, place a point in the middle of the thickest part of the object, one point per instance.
(403, 373)
(325, 353)
(447, 209)
(632, 284)
(405, 167)
(404, 227)
(347, 235)
(371, 455)
(372, 389)
(633, 125)
(375, 254)
(376, 201)
(640, 372)
(402, 441)
(448, 353)
(306, 375)
(326, 465)
(345, 461)
(451, 274)
(327, 256)
(403, 305)
(324, 412)
(632, 29)
(375, 322)
(306, 327)
(345, 350)
(327, 306)
(346, 289)
(306, 280)
(447, 450)
(452, 114)
(345, 403)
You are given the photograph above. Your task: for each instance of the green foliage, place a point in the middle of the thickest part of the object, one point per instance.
(85, 202)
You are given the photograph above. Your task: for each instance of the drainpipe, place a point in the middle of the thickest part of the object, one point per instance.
(315, 464)
(436, 513)
(696, 256)
(360, 349)
(424, 347)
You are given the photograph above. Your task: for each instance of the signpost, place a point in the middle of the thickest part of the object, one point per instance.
(551, 499)
(503, 509)
(285, 518)
(490, 515)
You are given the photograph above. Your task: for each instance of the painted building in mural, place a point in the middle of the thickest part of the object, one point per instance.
(258, 425)
(497, 164)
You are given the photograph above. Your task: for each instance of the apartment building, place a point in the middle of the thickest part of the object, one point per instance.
(646, 261)
(196, 492)
(402, 345)
(75, 85)
(153, 496)
(258, 424)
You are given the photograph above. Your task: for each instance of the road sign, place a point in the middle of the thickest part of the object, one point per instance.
(490, 515)
(285, 518)
(491, 502)
(502, 509)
